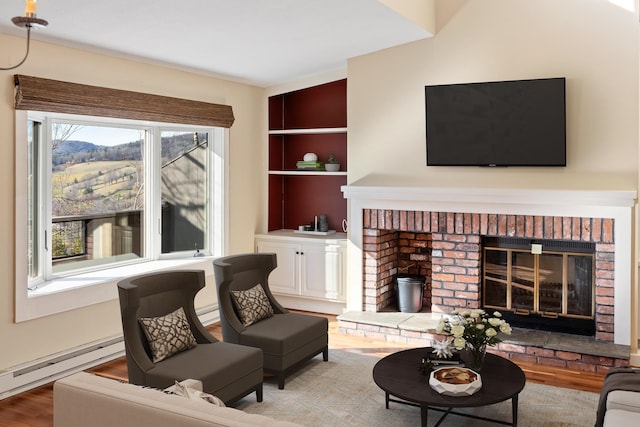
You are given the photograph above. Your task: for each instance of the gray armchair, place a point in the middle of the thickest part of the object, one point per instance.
(286, 339)
(228, 371)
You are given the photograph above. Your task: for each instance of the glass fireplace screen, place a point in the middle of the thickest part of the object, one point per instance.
(551, 283)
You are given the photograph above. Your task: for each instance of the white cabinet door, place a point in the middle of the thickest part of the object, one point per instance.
(321, 271)
(312, 270)
(285, 278)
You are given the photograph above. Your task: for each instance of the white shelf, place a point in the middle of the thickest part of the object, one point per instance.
(306, 131)
(295, 172)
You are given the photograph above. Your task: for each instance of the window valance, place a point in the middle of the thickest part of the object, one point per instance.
(38, 94)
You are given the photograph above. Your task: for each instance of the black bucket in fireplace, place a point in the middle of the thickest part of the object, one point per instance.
(409, 291)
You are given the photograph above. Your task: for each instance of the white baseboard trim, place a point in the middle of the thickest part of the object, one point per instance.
(27, 376)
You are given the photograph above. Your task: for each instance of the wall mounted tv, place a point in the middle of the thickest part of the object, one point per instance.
(506, 123)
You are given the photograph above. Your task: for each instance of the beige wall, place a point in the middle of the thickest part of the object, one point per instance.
(593, 43)
(37, 338)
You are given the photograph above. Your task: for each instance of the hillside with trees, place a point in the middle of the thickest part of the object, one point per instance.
(89, 178)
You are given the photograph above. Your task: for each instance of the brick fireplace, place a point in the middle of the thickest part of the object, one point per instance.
(446, 248)
(438, 232)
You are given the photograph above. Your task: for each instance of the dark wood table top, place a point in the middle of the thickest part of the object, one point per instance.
(398, 375)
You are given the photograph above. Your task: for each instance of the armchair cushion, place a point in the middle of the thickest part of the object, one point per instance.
(168, 335)
(225, 369)
(252, 305)
(285, 333)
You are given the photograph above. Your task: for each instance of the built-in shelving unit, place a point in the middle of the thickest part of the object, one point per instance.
(310, 120)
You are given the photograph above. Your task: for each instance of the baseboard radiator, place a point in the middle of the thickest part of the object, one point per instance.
(19, 379)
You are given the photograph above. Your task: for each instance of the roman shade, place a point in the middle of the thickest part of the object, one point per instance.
(38, 94)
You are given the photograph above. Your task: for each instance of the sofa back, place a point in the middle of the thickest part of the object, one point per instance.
(85, 399)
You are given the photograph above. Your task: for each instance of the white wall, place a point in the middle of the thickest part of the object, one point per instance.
(38, 338)
(593, 43)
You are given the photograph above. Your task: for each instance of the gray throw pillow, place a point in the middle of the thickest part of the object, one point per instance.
(252, 305)
(168, 335)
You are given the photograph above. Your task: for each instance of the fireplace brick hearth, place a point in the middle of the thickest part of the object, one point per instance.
(573, 352)
(446, 248)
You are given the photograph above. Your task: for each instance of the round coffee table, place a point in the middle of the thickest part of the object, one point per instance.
(398, 375)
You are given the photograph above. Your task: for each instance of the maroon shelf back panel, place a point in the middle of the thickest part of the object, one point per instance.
(275, 202)
(295, 147)
(275, 112)
(308, 196)
(322, 106)
(275, 152)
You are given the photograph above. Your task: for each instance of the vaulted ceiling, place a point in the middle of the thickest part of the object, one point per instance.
(260, 42)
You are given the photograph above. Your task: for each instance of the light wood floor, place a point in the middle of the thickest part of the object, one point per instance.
(35, 408)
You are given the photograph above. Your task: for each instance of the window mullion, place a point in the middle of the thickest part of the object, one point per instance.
(218, 192)
(46, 199)
(152, 192)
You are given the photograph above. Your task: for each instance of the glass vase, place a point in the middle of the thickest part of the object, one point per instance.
(475, 357)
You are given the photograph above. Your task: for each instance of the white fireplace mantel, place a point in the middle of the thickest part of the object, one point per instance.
(617, 205)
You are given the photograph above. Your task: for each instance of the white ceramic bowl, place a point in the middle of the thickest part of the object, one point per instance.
(332, 167)
(451, 387)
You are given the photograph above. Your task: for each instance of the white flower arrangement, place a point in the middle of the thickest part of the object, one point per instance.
(473, 328)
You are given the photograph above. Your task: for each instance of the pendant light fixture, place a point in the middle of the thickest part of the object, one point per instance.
(28, 21)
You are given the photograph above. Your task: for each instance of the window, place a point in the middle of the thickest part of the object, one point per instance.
(107, 197)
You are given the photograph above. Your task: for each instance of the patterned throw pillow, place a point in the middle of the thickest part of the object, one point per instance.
(252, 304)
(168, 335)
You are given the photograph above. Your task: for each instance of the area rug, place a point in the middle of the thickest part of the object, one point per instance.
(341, 392)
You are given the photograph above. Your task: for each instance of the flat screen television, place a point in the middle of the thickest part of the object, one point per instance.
(506, 123)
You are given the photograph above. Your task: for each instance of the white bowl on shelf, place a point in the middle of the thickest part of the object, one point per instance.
(332, 167)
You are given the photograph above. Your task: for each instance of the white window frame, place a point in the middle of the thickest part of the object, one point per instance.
(80, 290)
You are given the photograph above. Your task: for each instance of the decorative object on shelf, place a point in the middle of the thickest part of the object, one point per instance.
(309, 166)
(455, 381)
(323, 223)
(332, 165)
(310, 162)
(345, 225)
(474, 330)
(28, 21)
(319, 227)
